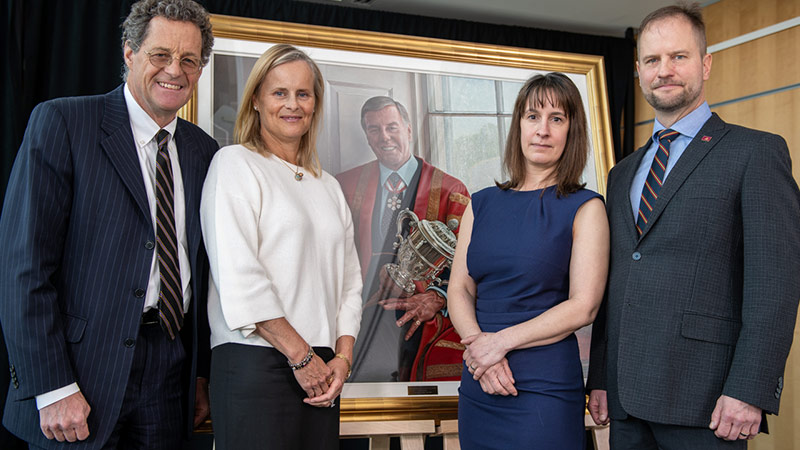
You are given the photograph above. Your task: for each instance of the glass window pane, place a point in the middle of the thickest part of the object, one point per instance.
(467, 148)
(471, 95)
(510, 92)
(461, 95)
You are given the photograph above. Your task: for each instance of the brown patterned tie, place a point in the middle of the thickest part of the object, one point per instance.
(170, 297)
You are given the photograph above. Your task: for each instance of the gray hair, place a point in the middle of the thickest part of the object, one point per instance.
(136, 25)
(380, 102)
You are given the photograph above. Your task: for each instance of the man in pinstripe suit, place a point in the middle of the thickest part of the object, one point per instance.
(91, 360)
(689, 348)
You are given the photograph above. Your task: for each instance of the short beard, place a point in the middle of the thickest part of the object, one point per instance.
(673, 104)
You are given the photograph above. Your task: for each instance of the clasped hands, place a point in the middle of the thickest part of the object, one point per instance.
(322, 382)
(485, 358)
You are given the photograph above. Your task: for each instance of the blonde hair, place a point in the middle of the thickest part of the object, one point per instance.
(247, 130)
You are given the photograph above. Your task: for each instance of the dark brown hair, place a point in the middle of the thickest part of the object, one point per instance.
(692, 12)
(556, 89)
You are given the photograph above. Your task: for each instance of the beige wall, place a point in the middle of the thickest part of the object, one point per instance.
(771, 62)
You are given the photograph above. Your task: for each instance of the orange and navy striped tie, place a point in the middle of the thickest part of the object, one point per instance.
(170, 297)
(655, 178)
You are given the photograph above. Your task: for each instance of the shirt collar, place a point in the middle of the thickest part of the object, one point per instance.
(688, 126)
(406, 171)
(143, 126)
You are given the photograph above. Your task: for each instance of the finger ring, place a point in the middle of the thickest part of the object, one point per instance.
(473, 366)
(743, 435)
(418, 323)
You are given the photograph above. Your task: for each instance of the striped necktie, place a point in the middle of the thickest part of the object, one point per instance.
(655, 178)
(170, 297)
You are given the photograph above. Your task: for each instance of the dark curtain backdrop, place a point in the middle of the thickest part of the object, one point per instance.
(56, 48)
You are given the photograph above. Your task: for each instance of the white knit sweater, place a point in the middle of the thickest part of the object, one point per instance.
(278, 247)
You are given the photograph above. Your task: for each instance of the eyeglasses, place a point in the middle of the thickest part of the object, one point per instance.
(190, 66)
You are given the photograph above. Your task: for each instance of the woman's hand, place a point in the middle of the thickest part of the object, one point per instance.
(313, 377)
(335, 382)
(498, 380)
(483, 351)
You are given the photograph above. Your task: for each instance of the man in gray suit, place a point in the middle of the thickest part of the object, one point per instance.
(689, 348)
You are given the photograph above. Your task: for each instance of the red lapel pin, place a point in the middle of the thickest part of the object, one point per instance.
(706, 138)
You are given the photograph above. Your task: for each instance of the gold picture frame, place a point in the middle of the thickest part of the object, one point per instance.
(589, 68)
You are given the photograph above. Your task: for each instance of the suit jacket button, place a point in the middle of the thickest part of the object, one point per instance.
(636, 256)
(780, 382)
(777, 395)
(139, 293)
(130, 342)
(149, 245)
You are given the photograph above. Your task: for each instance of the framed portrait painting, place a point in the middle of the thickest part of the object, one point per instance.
(458, 98)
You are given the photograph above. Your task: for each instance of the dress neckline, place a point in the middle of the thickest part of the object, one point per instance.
(533, 190)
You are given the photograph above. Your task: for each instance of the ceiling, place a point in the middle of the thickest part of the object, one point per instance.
(603, 17)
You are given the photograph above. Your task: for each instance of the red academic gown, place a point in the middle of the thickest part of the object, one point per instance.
(436, 196)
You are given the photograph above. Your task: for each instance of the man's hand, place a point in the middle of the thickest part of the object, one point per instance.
(598, 406)
(419, 308)
(734, 419)
(65, 420)
(202, 407)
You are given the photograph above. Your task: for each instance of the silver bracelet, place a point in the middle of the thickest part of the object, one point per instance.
(304, 362)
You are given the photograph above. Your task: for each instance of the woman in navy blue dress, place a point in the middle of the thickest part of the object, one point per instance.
(530, 269)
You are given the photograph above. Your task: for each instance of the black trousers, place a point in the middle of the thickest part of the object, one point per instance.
(638, 434)
(152, 412)
(257, 403)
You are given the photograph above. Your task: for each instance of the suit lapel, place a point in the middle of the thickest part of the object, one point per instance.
(121, 149)
(623, 189)
(714, 129)
(193, 178)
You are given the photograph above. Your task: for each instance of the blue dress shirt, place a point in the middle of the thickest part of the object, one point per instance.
(688, 127)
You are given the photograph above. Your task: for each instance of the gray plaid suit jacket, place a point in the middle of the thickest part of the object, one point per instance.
(704, 302)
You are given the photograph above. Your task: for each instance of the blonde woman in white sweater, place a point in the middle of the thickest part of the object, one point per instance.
(285, 293)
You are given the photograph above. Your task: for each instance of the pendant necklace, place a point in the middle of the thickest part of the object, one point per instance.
(297, 174)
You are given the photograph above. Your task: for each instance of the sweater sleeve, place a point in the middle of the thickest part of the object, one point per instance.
(348, 321)
(230, 212)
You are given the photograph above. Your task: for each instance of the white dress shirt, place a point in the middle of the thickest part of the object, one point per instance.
(144, 130)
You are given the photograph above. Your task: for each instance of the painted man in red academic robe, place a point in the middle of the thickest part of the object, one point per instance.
(397, 333)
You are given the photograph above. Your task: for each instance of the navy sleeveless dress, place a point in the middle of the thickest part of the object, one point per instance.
(519, 257)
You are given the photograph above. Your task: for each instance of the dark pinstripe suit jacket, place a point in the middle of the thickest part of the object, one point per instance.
(704, 303)
(77, 235)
